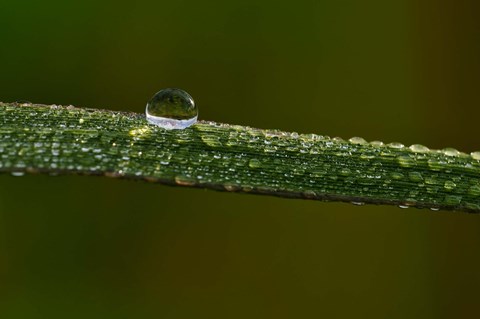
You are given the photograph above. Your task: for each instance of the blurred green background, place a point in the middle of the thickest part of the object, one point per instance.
(86, 247)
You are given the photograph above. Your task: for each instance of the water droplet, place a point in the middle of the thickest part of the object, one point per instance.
(358, 203)
(184, 180)
(171, 109)
(310, 194)
(474, 190)
(273, 149)
(405, 161)
(376, 143)
(432, 189)
(254, 163)
(357, 140)
(318, 172)
(449, 185)
(435, 165)
(453, 199)
(211, 140)
(23, 103)
(475, 155)
(396, 145)
(364, 156)
(417, 148)
(231, 187)
(396, 175)
(450, 151)
(472, 206)
(415, 176)
(247, 188)
(430, 180)
(17, 174)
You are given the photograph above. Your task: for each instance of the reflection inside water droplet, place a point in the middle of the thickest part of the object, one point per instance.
(172, 109)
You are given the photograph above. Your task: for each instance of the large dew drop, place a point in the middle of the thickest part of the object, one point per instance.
(172, 109)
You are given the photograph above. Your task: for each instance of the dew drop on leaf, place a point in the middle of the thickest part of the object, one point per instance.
(171, 109)
(475, 155)
(417, 148)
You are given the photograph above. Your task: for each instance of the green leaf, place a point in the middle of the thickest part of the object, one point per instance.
(67, 140)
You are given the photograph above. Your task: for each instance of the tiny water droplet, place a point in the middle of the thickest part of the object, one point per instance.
(23, 102)
(453, 199)
(472, 206)
(358, 203)
(18, 174)
(184, 180)
(449, 185)
(405, 161)
(432, 189)
(364, 156)
(376, 143)
(396, 145)
(254, 163)
(211, 140)
(318, 172)
(475, 155)
(396, 175)
(474, 190)
(435, 164)
(430, 180)
(310, 194)
(357, 140)
(417, 148)
(171, 109)
(415, 176)
(450, 151)
(247, 188)
(231, 187)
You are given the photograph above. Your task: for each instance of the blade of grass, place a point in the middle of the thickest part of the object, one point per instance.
(67, 140)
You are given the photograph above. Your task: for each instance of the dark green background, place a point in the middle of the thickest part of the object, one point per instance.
(86, 247)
